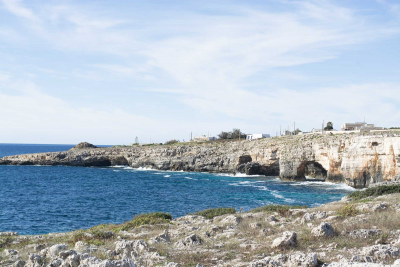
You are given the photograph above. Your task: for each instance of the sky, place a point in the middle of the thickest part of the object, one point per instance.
(107, 72)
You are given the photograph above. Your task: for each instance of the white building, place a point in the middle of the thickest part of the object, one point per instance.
(203, 138)
(359, 126)
(256, 136)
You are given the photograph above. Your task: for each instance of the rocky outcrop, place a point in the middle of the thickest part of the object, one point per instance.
(358, 160)
(84, 145)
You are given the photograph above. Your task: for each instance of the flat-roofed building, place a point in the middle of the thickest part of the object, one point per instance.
(256, 136)
(203, 138)
(359, 126)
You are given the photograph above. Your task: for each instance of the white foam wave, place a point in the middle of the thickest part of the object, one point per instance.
(328, 185)
(237, 175)
(190, 178)
(119, 166)
(144, 169)
(128, 168)
(277, 195)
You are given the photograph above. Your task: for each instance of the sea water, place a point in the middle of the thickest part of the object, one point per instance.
(44, 199)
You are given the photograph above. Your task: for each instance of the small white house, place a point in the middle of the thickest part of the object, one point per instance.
(256, 136)
(203, 138)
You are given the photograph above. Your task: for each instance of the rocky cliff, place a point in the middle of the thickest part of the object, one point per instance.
(357, 159)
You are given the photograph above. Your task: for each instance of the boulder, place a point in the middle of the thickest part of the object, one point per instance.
(323, 230)
(288, 239)
(164, 237)
(303, 260)
(364, 233)
(191, 240)
(382, 252)
(82, 247)
(231, 219)
(56, 249)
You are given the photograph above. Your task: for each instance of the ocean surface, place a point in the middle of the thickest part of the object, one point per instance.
(44, 199)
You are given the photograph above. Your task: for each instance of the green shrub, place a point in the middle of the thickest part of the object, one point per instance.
(211, 213)
(375, 191)
(146, 218)
(347, 211)
(281, 209)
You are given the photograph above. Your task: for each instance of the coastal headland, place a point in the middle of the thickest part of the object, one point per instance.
(359, 160)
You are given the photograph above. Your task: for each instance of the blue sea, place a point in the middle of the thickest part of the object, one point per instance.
(44, 199)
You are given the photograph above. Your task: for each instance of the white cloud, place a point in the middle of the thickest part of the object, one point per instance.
(15, 7)
(207, 61)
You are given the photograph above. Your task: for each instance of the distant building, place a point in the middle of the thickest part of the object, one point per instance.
(359, 126)
(317, 130)
(256, 136)
(203, 138)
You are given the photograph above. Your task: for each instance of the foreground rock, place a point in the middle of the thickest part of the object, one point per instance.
(257, 239)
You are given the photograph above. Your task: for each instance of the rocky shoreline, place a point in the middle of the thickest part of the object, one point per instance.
(363, 232)
(359, 160)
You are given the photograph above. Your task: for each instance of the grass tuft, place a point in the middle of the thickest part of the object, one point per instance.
(211, 213)
(283, 210)
(146, 218)
(347, 211)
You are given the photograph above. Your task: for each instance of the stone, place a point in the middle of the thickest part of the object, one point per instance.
(8, 233)
(365, 233)
(10, 252)
(382, 252)
(255, 225)
(164, 237)
(323, 230)
(19, 263)
(191, 240)
(82, 247)
(276, 261)
(231, 219)
(308, 217)
(288, 239)
(303, 260)
(73, 260)
(123, 263)
(379, 207)
(56, 249)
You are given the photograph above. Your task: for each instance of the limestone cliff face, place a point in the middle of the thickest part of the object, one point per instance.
(358, 160)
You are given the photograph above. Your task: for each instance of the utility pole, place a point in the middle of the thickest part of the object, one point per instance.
(294, 128)
(323, 123)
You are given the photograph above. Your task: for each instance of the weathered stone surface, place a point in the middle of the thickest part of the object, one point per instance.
(323, 230)
(381, 251)
(338, 158)
(303, 260)
(288, 239)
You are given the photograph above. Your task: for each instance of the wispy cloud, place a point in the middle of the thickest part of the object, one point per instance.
(215, 61)
(15, 7)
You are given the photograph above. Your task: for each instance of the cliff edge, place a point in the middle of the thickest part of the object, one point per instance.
(356, 159)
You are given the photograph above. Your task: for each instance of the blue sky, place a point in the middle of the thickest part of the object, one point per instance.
(108, 71)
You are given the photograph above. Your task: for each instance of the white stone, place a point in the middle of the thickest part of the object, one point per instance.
(324, 229)
(288, 239)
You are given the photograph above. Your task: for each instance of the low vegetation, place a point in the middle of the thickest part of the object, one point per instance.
(375, 191)
(147, 218)
(211, 213)
(347, 211)
(281, 209)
